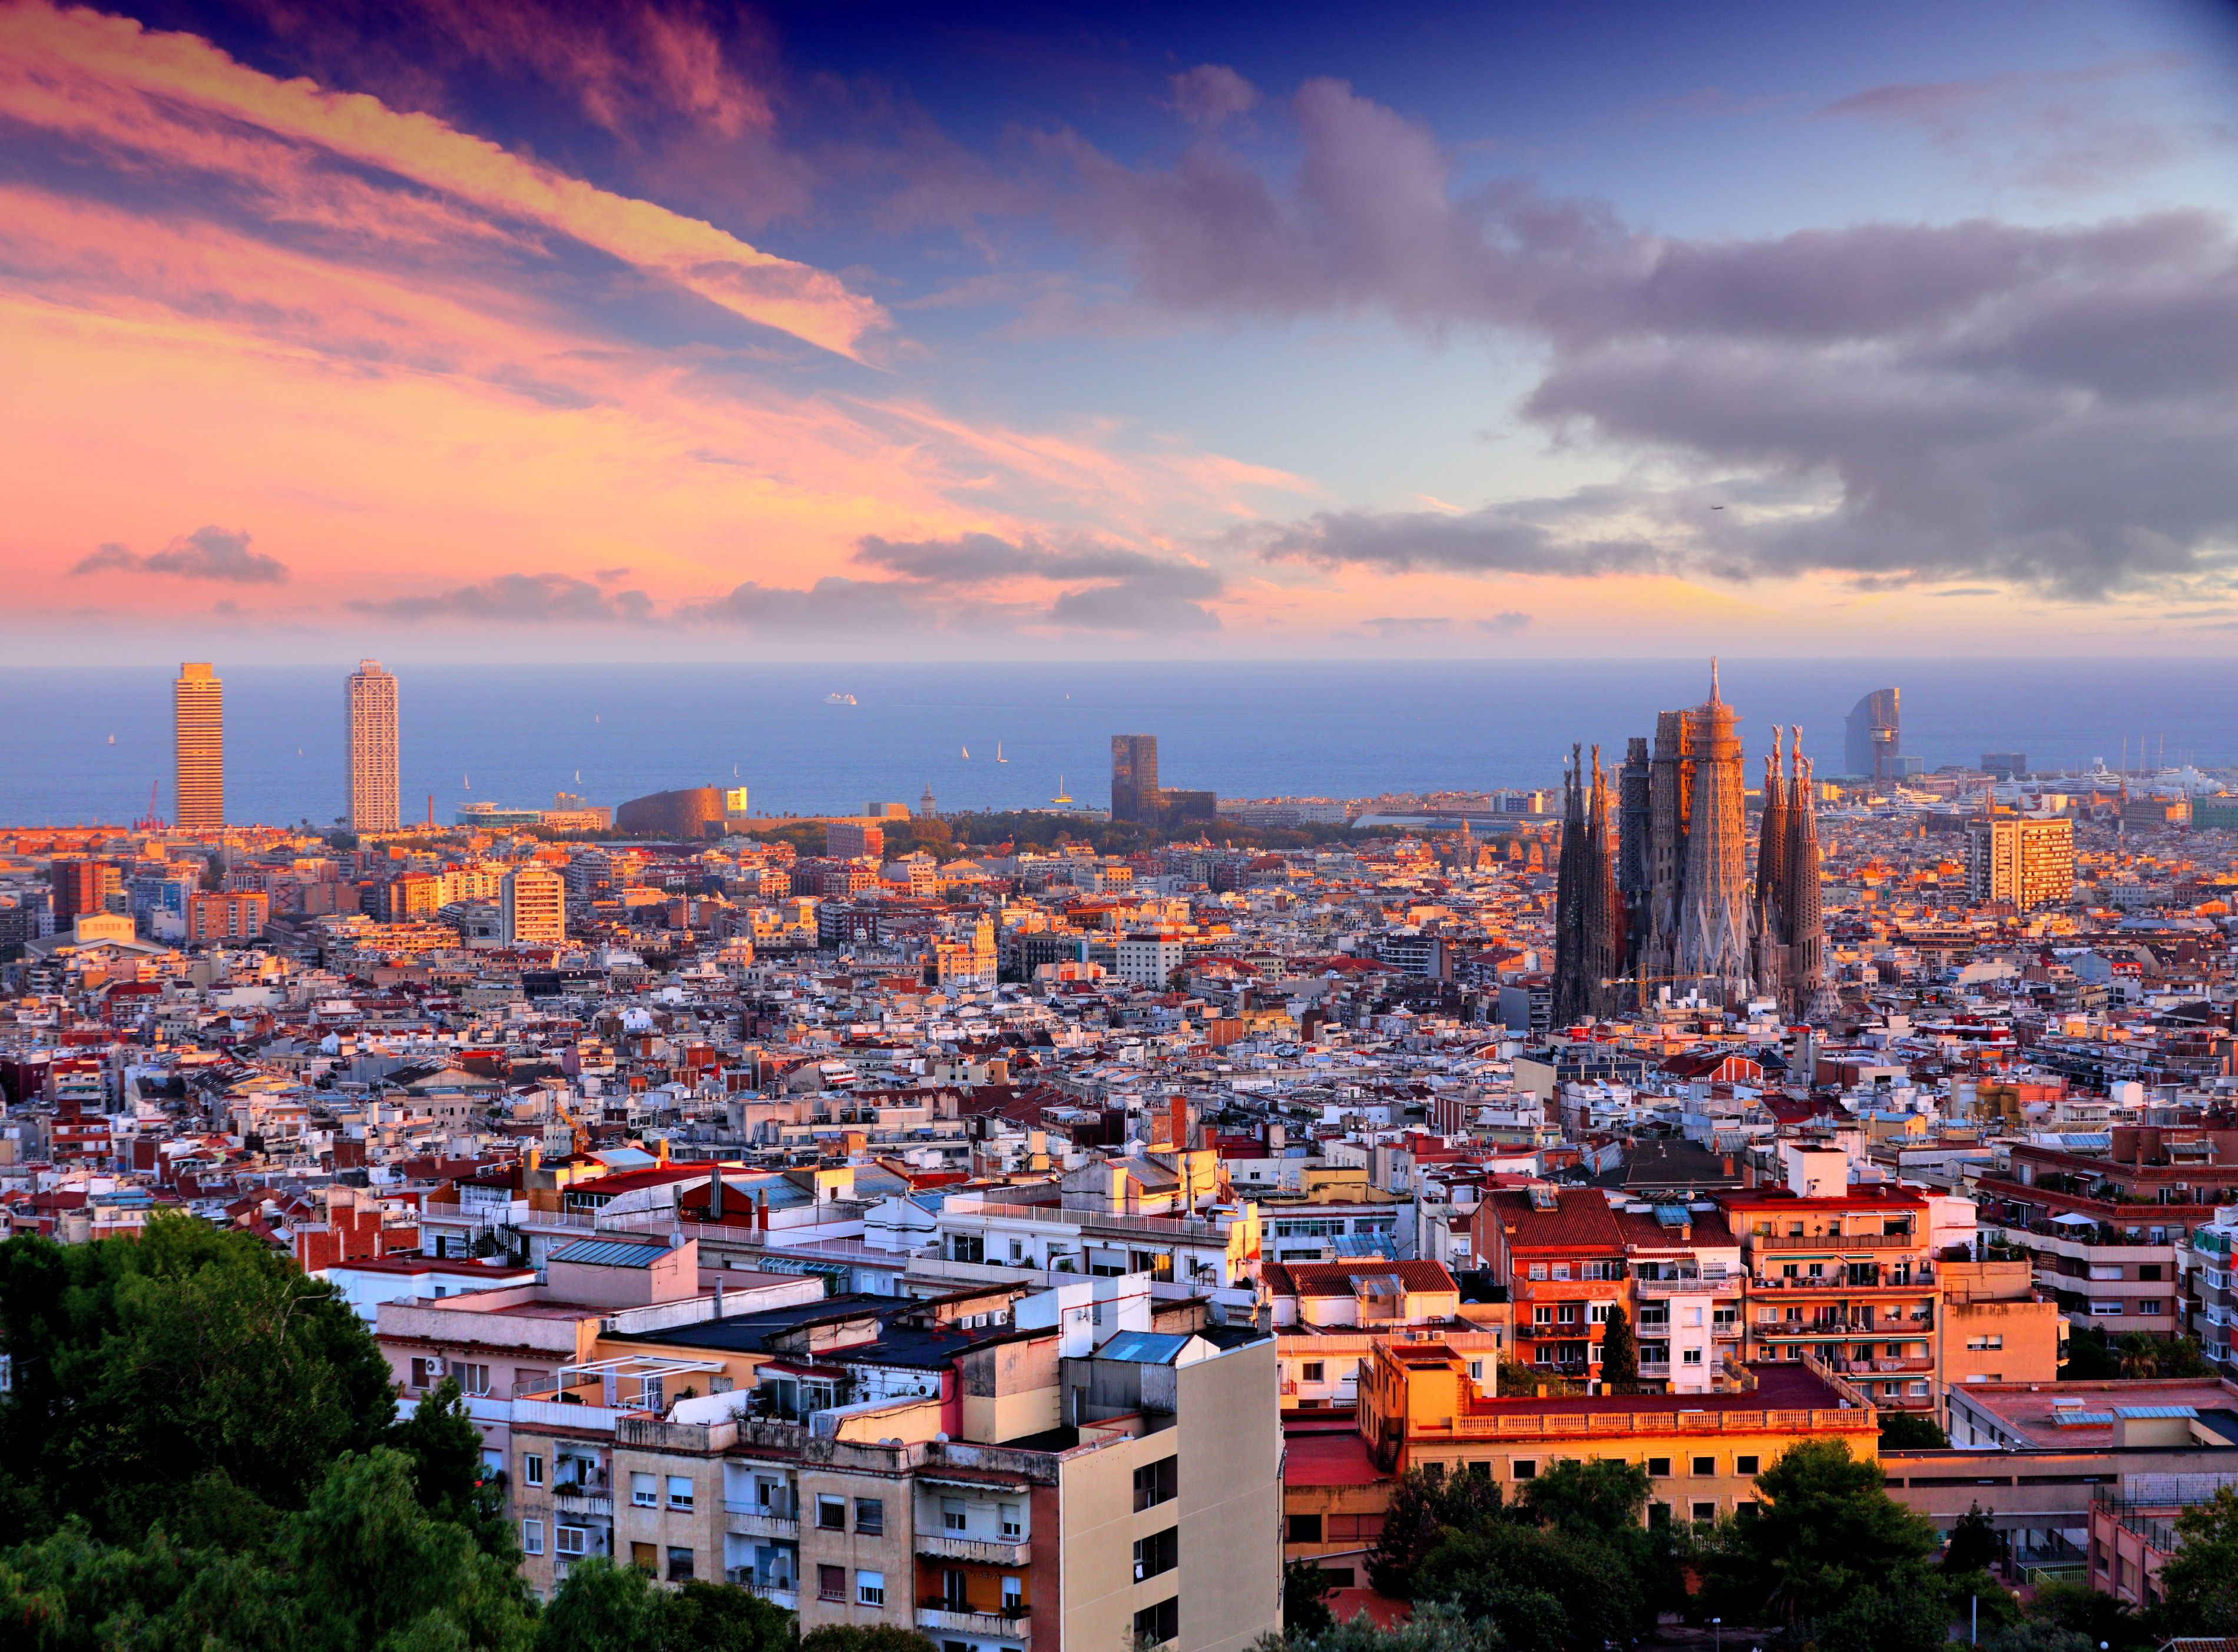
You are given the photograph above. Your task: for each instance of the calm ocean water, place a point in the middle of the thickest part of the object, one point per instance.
(515, 735)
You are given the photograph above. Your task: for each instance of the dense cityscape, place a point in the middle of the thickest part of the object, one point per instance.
(861, 1210)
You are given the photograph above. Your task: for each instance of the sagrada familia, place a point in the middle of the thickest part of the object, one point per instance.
(1654, 891)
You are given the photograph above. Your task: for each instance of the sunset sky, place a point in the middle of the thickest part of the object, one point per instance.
(444, 331)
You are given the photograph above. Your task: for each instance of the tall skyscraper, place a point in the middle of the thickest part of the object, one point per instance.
(2029, 860)
(369, 709)
(1871, 739)
(1135, 796)
(1713, 938)
(198, 722)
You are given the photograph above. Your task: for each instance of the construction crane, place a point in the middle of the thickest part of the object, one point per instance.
(151, 821)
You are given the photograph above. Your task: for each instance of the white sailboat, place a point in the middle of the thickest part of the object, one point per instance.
(1062, 797)
(967, 754)
(999, 758)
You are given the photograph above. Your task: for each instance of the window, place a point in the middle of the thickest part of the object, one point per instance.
(2151, 1305)
(1525, 1468)
(679, 1491)
(1689, 1356)
(1746, 1511)
(831, 1582)
(532, 1467)
(1154, 1625)
(1155, 1483)
(642, 1493)
(426, 1373)
(1744, 1465)
(1162, 1550)
(870, 1517)
(1658, 1516)
(2105, 1308)
(2149, 1271)
(1596, 1313)
(1304, 1529)
(1476, 1371)
(1659, 1467)
(1014, 1596)
(1561, 1271)
(473, 1378)
(1538, 1270)
(643, 1557)
(1704, 1466)
(1706, 1514)
(679, 1565)
(832, 1513)
(574, 1540)
(1983, 1344)
(1310, 1371)
(531, 1536)
(1542, 1316)
(1014, 1522)
(952, 1515)
(870, 1589)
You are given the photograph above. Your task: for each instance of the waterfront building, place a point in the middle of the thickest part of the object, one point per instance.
(1873, 741)
(198, 732)
(1135, 796)
(369, 713)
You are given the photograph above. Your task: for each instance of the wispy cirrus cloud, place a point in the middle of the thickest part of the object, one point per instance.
(207, 553)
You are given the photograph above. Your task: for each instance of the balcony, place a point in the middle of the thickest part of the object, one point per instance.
(1835, 1242)
(1722, 1285)
(936, 1614)
(583, 1500)
(955, 1546)
(1921, 1281)
(759, 1520)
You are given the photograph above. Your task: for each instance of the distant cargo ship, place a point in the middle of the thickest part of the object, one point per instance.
(838, 700)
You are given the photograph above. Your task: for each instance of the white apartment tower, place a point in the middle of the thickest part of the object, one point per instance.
(369, 707)
(533, 906)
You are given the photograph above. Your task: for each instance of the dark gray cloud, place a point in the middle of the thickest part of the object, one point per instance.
(518, 598)
(2047, 408)
(1111, 587)
(1525, 538)
(207, 553)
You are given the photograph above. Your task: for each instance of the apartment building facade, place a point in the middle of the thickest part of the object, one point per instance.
(1848, 1278)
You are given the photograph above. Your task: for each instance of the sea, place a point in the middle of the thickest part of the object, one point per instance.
(80, 746)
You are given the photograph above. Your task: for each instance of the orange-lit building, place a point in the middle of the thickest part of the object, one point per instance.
(231, 915)
(1702, 1452)
(1846, 1277)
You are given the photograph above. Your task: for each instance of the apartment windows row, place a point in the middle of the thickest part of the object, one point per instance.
(832, 1585)
(569, 1543)
(1746, 1465)
(870, 1515)
(1559, 1271)
(1157, 1482)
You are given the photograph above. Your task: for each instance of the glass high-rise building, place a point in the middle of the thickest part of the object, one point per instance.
(198, 724)
(1872, 739)
(369, 708)
(1134, 795)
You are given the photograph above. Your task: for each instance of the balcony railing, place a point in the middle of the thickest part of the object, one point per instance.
(584, 1500)
(1923, 1279)
(1727, 1285)
(1835, 1242)
(753, 1520)
(952, 1546)
(938, 1613)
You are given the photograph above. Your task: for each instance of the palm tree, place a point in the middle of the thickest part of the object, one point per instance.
(2141, 1355)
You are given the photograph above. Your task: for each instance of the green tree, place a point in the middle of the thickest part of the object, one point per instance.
(599, 1607)
(445, 1449)
(1306, 1587)
(1827, 1531)
(2077, 1609)
(2089, 1359)
(376, 1570)
(2032, 1634)
(1908, 1431)
(1973, 1544)
(1620, 1355)
(147, 1371)
(1421, 1511)
(1435, 1627)
(1545, 1589)
(2198, 1584)
(1902, 1612)
(851, 1637)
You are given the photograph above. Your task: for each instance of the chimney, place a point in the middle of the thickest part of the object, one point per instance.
(1729, 1163)
(1179, 1109)
(715, 1195)
(535, 1158)
(661, 1150)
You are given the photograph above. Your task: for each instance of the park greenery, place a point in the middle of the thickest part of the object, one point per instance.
(200, 1452)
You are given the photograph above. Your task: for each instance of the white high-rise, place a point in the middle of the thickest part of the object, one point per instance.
(369, 700)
